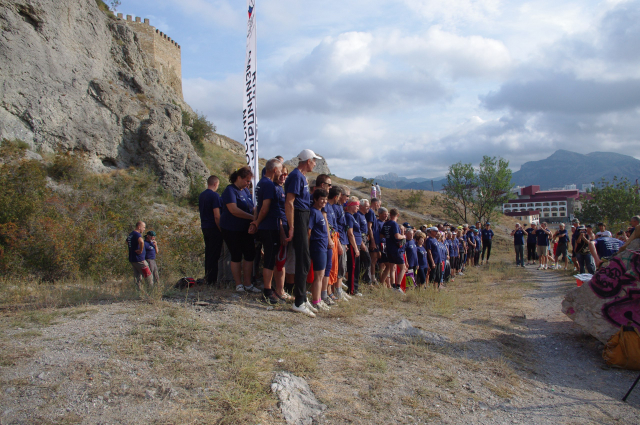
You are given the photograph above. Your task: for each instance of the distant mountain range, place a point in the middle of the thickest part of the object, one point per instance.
(566, 167)
(560, 169)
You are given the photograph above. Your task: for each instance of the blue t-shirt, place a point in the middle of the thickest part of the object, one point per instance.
(228, 221)
(296, 183)
(389, 230)
(542, 238)
(132, 242)
(563, 236)
(450, 247)
(411, 250)
(207, 202)
(281, 200)
(370, 216)
(531, 237)
(331, 217)
(487, 234)
(319, 238)
(423, 262)
(607, 247)
(247, 193)
(266, 189)
(431, 244)
(342, 223)
(443, 251)
(377, 227)
(362, 222)
(471, 240)
(518, 237)
(478, 240)
(150, 250)
(352, 223)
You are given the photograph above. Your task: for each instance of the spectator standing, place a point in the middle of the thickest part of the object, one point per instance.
(372, 192)
(267, 222)
(140, 267)
(210, 205)
(542, 245)
(519, 235)
(297, 207)
(151, 251)
(355, 243)
(365, 256)
(532, 242)
(373, 230)
(378, 192)
(562, 236)
(487, 237)
(318, 245)
(582, 252)
(394, 245)
(235, 224)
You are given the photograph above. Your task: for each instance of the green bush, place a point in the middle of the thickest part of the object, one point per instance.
(22, 190)
(67, 167)
(197, 128)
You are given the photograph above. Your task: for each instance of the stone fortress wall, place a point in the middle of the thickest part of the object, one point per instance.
(164, 52)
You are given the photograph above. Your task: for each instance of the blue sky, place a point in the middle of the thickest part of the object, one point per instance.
(412, 86)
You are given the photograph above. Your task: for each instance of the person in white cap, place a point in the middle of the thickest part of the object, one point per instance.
(297, 210)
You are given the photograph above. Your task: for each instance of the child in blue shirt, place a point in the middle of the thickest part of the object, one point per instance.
(318, 245)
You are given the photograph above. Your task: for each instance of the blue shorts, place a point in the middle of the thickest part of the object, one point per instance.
(319, 258)
(395, 258)
(327, 270)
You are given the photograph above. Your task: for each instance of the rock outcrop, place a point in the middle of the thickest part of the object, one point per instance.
(321, 165)
(75, 79)
(298, 404)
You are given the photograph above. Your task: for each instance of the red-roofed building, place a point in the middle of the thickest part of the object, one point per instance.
(553, 206)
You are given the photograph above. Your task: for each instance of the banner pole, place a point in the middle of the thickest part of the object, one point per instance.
(249, 117)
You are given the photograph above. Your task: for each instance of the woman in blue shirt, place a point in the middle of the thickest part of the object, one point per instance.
(353, 248)
(235, 219)
(394, 244)
(318, 246)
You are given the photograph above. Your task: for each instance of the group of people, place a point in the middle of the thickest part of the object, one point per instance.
(142, 255)
(588, 248)
(319, 235)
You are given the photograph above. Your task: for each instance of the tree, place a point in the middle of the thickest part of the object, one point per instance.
(457, 199)
(612, 203)
(493, 182)
(115, 4)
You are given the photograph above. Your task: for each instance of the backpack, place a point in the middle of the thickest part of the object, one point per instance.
(185, 282)
(623, 349)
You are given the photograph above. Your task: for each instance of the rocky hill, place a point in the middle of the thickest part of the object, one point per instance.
(566, 167)
(74, 78)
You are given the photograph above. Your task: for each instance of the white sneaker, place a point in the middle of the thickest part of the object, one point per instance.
(310, 307)
(323, 306)
(251, 289)
(303, 309)
(541, 268)
(344, 286)
(342, 297)
(400, 290)
(240, 288)
(329, 301)
(346, 296)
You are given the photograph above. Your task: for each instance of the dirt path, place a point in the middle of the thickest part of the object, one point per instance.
(575, 387)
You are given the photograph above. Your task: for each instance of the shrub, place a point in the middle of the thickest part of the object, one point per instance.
(196, 186)
(197, 128)
(67, 167)
(414, 199)
(22, 190)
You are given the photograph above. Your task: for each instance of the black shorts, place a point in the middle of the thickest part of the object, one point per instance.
(240, 244)
(271, 244)
(562, 250)
(395, 259)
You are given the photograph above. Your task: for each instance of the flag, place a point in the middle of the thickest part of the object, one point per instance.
(249, 119)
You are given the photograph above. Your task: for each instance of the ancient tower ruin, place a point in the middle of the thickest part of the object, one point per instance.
(162, 50)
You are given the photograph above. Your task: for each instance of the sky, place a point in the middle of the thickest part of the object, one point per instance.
(413, 86)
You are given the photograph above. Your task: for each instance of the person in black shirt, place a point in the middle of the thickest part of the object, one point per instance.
(531, 244)
(210, 204)
(562, 236)
(519, 234)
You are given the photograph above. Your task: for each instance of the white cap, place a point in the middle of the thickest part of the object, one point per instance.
(307, 154)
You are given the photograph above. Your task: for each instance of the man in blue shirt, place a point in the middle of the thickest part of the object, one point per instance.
(210, 205)
(542, 244)
(135, 245)
(267, 221)
(373, 228)
(518, 243)
(433, 254)
(562, 236)
(487, 236)
(365, 257)
(604, 247)
(297, 209)
(411, 251)
(394, 246)
(531, 244)
(343, 240)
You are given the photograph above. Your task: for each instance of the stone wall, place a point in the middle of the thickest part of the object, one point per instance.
(164, 53)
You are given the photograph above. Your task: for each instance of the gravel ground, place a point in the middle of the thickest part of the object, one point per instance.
(498, 361)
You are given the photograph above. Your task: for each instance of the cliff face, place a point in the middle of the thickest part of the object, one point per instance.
(74, 79)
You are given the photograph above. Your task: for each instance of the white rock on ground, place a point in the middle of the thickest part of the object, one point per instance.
(298, 404)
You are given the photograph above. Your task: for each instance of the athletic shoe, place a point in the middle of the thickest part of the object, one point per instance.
(399, 290)
(461, 274)
(303, 309)
(322, 306)
(344, 285)
(328, 301)
(310, 307)
(240, 288)
(541, 268)
(251, 289)
(285, 297)
(359, 294)
(522, 266)
(333, 297)
(271, 299)
(346, 296)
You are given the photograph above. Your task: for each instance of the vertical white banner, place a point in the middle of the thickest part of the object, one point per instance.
(249, 119)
